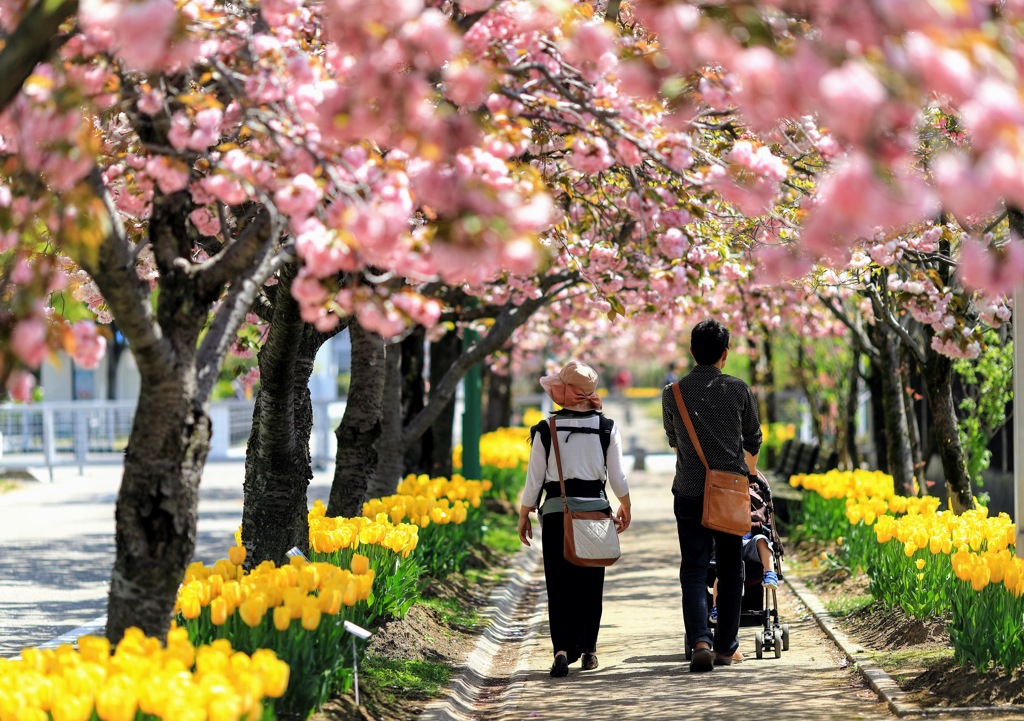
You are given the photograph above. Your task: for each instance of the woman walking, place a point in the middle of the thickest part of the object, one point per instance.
(591, 454)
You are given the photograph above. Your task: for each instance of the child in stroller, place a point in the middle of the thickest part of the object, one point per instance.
(762, 568)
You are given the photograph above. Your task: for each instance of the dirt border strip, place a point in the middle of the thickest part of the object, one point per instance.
(881, 682)
(485, 677)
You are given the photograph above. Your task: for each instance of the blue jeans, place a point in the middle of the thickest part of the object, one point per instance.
(695, 545)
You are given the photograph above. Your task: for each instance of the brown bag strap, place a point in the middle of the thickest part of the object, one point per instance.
(689, 423)
(558, 459)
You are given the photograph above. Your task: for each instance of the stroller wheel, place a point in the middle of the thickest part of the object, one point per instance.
(778, 643)
(759, 643)
(785, 637)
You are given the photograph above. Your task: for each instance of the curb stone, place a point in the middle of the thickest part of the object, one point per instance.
(881, 682)
(473, 684)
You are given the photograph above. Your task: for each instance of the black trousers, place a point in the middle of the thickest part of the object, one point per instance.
(695, 547)
(574, 594)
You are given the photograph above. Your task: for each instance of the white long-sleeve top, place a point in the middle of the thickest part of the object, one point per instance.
(582, 458)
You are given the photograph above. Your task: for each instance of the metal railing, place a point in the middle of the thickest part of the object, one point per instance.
(79, 433)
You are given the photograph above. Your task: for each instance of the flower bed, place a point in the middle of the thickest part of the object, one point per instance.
(925, 561)
(250, 645)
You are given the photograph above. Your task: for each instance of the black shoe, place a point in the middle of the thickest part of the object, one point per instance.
(703, 659)
(560, 667)
(589, 661)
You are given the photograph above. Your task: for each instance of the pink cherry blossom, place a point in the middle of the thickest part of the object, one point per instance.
(89, 346)
(996, 271)
(20, 384)
(590, 157)
(29, 341)
(466, 85)
(852, 95)
(226, 189)
(170, 175)
(140, 30)
(297, 197)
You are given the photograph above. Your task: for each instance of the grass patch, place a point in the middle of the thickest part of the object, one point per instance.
(397, 680)
(896, 661)
(7, 485)
(452, 613)
(846, 605)
(501, 532)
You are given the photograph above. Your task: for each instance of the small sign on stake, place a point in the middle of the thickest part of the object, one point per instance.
(363, 634)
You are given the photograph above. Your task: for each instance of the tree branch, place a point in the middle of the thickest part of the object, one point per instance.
(511, 318)
(31, 43)
(885, 315)
(858, 333)
(243, 253)
(229, 317)
(112, 266)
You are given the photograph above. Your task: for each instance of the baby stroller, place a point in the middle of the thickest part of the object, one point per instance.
(759, 606)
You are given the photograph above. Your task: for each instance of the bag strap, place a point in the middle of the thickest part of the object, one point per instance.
(689, 424)
(558, 460)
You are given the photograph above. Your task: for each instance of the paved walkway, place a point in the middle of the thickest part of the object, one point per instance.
(644, 674)
(57, 545)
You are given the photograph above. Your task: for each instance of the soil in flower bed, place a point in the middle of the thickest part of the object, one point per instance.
(916, 653)
(409, 660)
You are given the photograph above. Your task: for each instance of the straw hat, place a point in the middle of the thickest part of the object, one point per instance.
(573, 387)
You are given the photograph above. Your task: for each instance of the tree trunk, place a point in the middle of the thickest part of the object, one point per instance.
(899, 456)
(157, 504)
(801, 374)
(277, 459)
(938, 382)
(115, 349)
(498, 394)
(414, 395)
(356, 461)
(443, 354)
(913, 426)
(850, 455)
(879, 434)
(390, 458)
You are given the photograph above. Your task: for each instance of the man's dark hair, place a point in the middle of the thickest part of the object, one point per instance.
(708, 340)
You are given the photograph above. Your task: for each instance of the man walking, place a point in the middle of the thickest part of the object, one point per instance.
(724, 415)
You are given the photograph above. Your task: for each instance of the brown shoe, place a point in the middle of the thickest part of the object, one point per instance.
(589, 661)
(722, 660)
(702, 659)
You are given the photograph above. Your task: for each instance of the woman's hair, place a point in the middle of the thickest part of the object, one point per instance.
(708, 340)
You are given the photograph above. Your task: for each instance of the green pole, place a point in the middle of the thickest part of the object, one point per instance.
(471, 416)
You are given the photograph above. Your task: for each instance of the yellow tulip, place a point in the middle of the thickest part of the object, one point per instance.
(236, 554)
(330, 601)
(225, 707)
(273, 671)
(980, 577)
(252, 610)
(360, 564)
(117, 700)
(311, 614)
(351, 595)
(282, 618)
(30, 713)
(189, 604)
(94, 649)
(68, 707)
(919, 563)
(218, 611)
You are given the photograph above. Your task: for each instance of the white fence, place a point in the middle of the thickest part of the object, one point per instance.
(79, 433)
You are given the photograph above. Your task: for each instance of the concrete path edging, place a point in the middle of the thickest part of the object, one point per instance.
(482, 678)
(876, 677)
